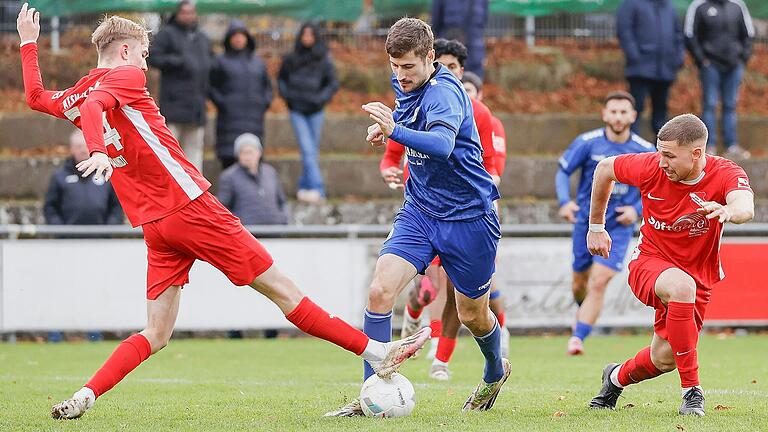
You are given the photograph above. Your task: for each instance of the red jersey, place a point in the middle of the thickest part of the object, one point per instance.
(499, 144)
(393, 152)
(672, 229)
(152, 177)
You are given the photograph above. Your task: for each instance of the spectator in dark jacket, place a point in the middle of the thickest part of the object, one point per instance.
(307, 81)
(465, 21)
(241, 91)
(650, 33)
(74, 200)
(183, 55)
(719, 35)
(251, 188)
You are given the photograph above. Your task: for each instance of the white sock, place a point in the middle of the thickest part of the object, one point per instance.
(615, 377)
(437, 362)
(374, 351)
(687, 389)
(85, 393)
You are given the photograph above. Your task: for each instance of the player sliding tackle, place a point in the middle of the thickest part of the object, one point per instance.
(687, 197)
(167, 196)
(448, 210)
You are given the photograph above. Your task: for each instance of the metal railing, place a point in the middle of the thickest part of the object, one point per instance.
(16, 232)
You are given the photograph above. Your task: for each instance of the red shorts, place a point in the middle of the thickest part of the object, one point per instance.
(204, 229)
(643, 273)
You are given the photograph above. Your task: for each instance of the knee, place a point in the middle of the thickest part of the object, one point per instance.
(380, 297)
(682, 289)
(158, 338)
(598, 285)
(474, 319)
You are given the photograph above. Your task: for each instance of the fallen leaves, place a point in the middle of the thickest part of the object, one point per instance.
(628, 406)
(723, 408)
(559, 414)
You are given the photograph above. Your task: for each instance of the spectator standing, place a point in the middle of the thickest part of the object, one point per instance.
(465, 21)
(241, 91)
(74, 200)
(719, 35)
(652, 57)
(307, 81)
(183, 55)
(251, 188)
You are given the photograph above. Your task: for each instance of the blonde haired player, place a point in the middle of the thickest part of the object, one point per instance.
(161, 191)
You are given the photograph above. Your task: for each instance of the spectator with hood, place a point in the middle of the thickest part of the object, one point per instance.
(183, 55)
(307, 81)
(241, 91)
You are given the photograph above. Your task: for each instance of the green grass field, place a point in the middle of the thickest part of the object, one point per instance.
(287, 384)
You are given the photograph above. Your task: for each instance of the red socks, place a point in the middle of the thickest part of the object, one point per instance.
(126, 357)
(445, 349)
(437, 328)
(502, 318)
(638, 368)
(412, 313)
(683, 336)
(312, 319)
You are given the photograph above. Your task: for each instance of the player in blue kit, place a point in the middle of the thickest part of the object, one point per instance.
(591, 274)
(448, 210)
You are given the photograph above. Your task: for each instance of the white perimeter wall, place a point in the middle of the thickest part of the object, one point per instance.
(100, 284)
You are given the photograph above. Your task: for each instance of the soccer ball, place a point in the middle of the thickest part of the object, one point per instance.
(392, 397)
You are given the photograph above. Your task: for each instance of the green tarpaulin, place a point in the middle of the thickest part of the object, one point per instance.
(335, 10)
(395, 8)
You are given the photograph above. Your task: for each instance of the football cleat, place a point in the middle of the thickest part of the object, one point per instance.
(609, 393)
(400, 351)
(352, 409)
(484, 396)
(575, 346)
(440, 372)
(410, 325)
(693, 402)
(75, 407)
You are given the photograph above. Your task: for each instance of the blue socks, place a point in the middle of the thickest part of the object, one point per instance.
(379, 328)
(582, 330)
(490, 345)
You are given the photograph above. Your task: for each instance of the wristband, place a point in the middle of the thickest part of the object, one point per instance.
(597, 228)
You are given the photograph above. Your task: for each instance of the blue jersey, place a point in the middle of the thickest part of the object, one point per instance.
(452, 189)
(584, 153)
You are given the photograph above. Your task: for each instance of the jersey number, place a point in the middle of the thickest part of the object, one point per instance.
(111, 136)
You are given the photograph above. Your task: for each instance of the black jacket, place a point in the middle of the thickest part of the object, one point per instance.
(307, 78)
(183, 56)
(74, 200)
(719, 31)
(241, 91)
(255, 199)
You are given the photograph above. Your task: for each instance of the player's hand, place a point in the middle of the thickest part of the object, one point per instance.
(375, 136)
(627, 215)
(392, 176)
(568, 211)
(382, 115)
(715, 210)
(28, 24)
(599, 243)
(98, 163)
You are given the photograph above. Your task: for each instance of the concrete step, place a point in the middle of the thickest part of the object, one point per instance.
(345, 176)
(344, 133)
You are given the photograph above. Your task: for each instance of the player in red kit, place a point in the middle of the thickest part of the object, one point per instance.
(687, 197)
(167, 196)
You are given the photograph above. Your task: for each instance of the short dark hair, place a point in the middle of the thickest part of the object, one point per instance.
(474, 79)
(620, 95)
(409, 34)
(451, 47)
(684, 129)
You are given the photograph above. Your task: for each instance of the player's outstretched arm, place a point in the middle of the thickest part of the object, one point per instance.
(739, 208)
(598, 240)
(28, 26)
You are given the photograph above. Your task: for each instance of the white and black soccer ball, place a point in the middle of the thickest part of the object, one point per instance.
(386, 398)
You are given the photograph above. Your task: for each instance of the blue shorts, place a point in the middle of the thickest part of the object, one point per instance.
(467, 249)
(621, 236)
